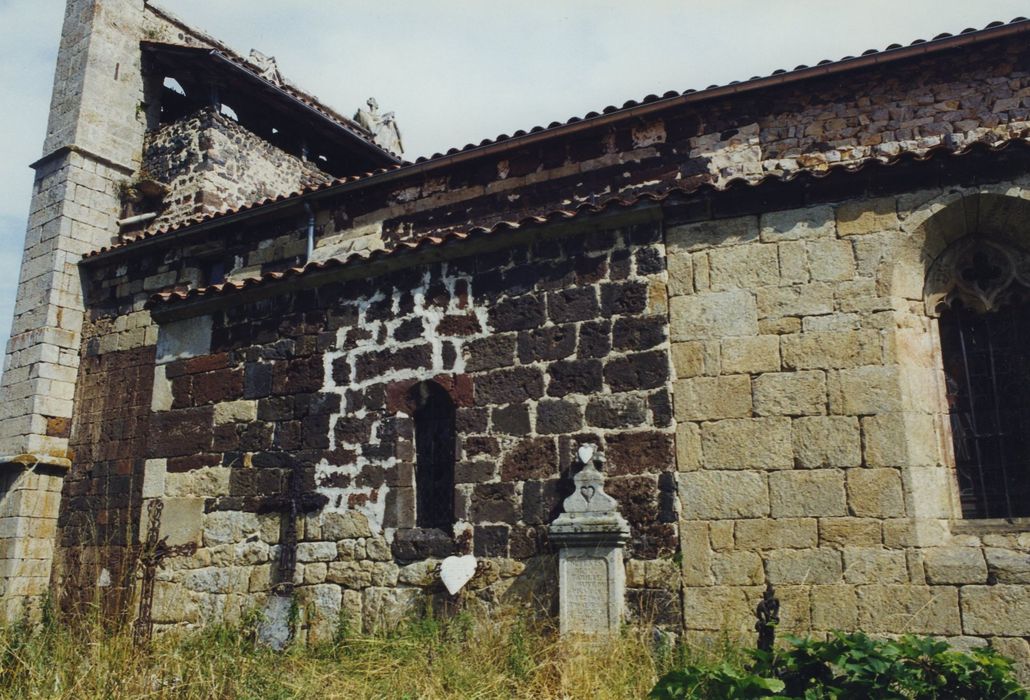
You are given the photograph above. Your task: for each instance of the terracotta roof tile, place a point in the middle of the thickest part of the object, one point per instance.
(562, 215)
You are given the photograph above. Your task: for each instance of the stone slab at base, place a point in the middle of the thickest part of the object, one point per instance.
(592, 588)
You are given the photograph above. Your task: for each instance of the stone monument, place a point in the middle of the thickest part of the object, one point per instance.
(590, 535)
(383, 127)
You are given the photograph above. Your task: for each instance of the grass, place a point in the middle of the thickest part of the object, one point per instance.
(466, 656)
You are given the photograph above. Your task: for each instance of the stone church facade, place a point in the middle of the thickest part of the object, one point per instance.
(788, 311)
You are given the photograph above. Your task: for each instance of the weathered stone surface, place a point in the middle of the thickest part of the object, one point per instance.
(1008, 566)
(557, 417)
(899, 440)
(1001, 609)
(954, 565)
(790, 394)
(834, 607)
(796, 300)
(713, 315)
(856, 532)
(322, 606)
(830, 441)
(817, 492)
(864, 391)
(794, 224)
(737, 569)
(803, 566)
(916, 609)
(830, 260)
(712, 398)
(875, 493)
(750, 355)
(865, 217)
(874, 565)
(700, 235)
(697, 554)
(688, 446)
(743, 267)
(386, 608)
(688, 359)
(831, 349)
(1017, 649)
(681, 273)
(747, 443)
(725, 609)
(509, 386)
(797, 533)
(722, 494)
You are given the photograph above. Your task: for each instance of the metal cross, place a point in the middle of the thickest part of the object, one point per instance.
(153, 553)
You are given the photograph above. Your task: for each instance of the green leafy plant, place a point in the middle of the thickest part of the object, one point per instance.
(851, 667)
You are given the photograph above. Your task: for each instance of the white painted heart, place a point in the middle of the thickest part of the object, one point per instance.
(455, 572)
(585, 452)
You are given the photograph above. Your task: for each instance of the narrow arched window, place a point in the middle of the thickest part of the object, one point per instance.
(434, 456)
(985, 347)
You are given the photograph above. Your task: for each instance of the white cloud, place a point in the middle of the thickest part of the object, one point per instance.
(459, 71)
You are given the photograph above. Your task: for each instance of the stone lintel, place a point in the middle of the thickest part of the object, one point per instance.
(30, 461)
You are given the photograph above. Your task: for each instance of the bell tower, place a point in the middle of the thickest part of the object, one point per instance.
(93, 144)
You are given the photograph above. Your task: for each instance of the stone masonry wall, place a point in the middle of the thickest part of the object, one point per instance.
(540, 347)
(813, 440)
(210, 163)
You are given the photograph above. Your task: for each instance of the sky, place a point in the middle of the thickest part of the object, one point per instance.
(459, 71)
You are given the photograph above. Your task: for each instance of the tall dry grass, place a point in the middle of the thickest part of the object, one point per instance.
(465, 656)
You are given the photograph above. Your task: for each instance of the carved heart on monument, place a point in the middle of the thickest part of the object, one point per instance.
(455, 572)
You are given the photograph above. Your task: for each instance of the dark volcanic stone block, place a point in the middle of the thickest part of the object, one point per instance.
(624, 411)
(455, 325)
(374, 364)
(646, 370)
(595, 339)
(474, 472)
(635, 333)
(558, 417)
(541, 501)
(623, 298)
(181, 432)
(638, 452)
(257, 380)
(490, 353)
(649, 261)
(574, 377)
(422, 543)
(518, 314)
(577, 304)
(490, 541)
(511, 420)
(535, 458)
(544, 344)
(409, 330)
(510, 385)
(494, 503)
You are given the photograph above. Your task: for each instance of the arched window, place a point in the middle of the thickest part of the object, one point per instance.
(434, 456)
(984, 308)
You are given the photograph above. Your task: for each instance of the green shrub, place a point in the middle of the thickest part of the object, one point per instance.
(851, 667)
